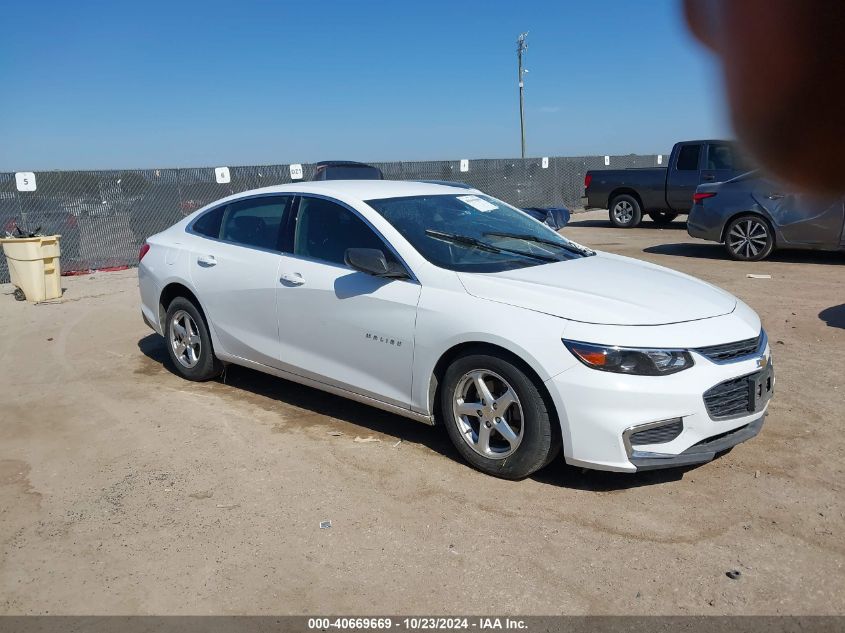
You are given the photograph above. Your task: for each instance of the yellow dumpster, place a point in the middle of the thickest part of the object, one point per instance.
(34, 266)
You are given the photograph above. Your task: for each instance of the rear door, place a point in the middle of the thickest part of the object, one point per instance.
(803, 219)
(684, 176)
(338, 325)
(234, 263)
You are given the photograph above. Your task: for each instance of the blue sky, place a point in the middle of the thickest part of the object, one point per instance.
(169, 84)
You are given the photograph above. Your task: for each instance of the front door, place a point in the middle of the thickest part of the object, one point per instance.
(236, 274)
(337, 325)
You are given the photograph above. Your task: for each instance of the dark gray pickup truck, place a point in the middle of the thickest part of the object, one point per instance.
(662, 192)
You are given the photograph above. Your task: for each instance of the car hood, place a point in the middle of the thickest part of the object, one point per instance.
(604, 289)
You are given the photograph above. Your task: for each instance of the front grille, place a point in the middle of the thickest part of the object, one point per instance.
(729, 399)
(658, 435)
(730, 351)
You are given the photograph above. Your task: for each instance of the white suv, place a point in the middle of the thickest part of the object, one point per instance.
(443, 304)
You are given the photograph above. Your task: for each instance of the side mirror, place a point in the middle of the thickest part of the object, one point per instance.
(367, 260)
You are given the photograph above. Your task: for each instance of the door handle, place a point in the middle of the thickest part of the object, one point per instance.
(293, 279)
(207, 260)
(708, 177)
(775, 196)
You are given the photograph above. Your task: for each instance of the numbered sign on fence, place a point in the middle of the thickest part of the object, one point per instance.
(25, 181)
(296, 171)
(660, 159)
(222, 175)
(544, 162)
(607, 160)
(464, 164)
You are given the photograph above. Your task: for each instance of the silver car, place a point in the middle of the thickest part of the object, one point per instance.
(752, 215)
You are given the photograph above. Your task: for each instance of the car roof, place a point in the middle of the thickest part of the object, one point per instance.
(362, 189)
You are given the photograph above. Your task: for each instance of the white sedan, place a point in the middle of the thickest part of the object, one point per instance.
(447, 306)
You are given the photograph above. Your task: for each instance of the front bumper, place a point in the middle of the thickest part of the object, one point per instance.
(703, 452)
(599, 410)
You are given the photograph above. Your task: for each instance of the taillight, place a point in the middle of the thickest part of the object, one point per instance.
(698, 197)
(587, 180)
(144, 250)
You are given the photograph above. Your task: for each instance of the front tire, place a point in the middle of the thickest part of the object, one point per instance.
(625, 212)
(189, 343)
(496, 417)
(749, 238)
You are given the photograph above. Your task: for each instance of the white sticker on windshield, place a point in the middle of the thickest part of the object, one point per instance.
(478, 203)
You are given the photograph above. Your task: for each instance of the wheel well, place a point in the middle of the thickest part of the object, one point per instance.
(625, 192)
(170, 292)
(464, 349)
(759, 216)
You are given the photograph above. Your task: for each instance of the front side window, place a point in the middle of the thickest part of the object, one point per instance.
(325, 229)
(255, 222)
(688, 158)
(473, 232)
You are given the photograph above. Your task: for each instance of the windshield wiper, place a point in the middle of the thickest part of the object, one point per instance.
(484, 246)
(569, 246)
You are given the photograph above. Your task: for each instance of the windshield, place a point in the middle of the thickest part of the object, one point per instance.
(473, 232)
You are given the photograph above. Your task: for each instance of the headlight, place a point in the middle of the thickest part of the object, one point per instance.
(629, 360)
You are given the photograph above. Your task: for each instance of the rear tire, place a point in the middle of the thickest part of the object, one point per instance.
(19, 295)
(662, 217)
(189, 343)
(502, 428)
(749, 238)
(625, 212)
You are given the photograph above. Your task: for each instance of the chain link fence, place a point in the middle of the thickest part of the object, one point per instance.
(104, 216)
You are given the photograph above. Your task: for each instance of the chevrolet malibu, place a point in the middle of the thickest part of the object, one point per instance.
(450, 307)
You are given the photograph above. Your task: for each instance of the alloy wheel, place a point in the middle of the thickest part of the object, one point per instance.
(185, 339)
(488, 414)
(748, 237)
(623, 211)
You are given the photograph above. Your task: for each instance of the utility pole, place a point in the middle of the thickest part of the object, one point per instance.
(521, 47)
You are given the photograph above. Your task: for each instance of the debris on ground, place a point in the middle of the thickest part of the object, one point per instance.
(202, 494)
(397, 444)
(366, 440)
(324, 525)
(753, 276)
(228, 507)
(733, 574)
(335, 433)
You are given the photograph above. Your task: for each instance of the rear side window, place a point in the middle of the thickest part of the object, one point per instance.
(724, 156)
(208, 224)
(256, 222)
(688, 158)
(325, 229)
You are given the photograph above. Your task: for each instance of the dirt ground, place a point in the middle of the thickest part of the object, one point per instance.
(126, 490)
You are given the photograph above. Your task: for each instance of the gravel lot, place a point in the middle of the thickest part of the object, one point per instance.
(126, 490)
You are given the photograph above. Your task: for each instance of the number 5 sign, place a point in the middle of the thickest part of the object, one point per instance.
(25, 181)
